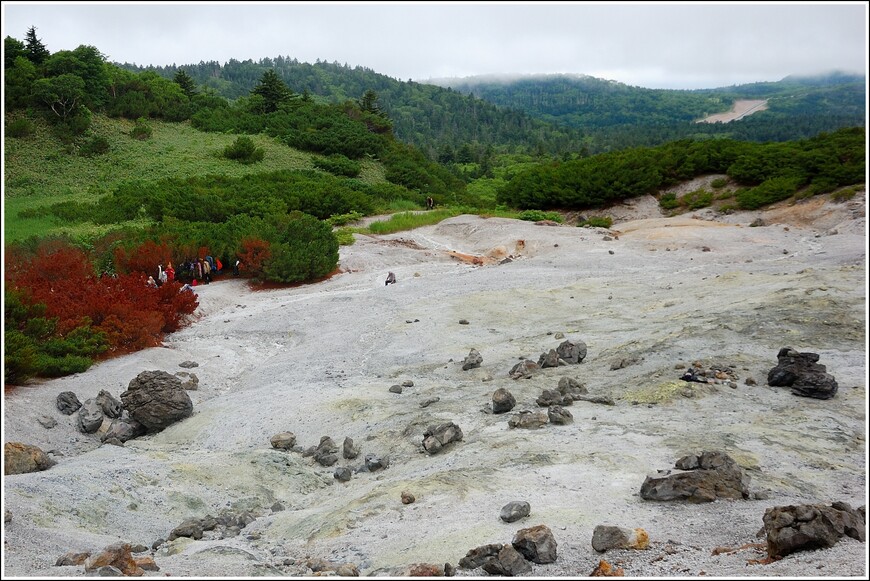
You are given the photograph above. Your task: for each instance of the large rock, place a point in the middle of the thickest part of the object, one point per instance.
(548, 359)
(156, 400)
(803, 374)
(479, 555)
(68, 403)
(515, 510)
(502, 401)
(703, 478)
(90, 416)
(525, 369)
(21, 458)
(572, 352)
(536, 544)
(811, 526)
(283, 441)
(606, 537)
(529, 420)
(111, 407)
(436, 437)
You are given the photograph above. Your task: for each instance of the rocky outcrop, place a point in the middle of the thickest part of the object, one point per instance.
(811, 526)
(803, 374)
(21, 458)
(156, 400)
(704, 478)
(118, 556)
(507, 563)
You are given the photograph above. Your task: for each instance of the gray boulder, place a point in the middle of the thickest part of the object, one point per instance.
(435, 438)
(68, 403)
(111, 407)
(515, 510)
(472, 361)
(90, 416)
(156, 400)
(704, 478)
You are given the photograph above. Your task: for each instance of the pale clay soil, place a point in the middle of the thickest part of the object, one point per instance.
(318, 360)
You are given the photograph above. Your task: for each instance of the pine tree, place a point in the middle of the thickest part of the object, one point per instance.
(186, 82)
(36, 51)
(273, 90)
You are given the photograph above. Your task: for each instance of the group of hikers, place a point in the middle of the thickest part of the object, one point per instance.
(192, 271)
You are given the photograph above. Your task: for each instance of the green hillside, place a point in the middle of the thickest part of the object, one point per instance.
(42, 170)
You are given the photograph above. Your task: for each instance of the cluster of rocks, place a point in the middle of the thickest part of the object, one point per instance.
(153, 401)
(116, 560)
(714, 475)
(567, 392)
(326, 452)
(566, 353)
(531, 545)
(715, 373)
(227, 524)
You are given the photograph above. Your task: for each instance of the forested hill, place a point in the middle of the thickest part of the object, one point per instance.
(439, 121)
(615, 115)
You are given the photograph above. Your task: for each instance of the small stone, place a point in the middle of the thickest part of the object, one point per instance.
(463, 321)
(407, 498)
(396, 388)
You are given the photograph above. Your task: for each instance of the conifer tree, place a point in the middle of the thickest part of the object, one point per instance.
(273, 91)
(36, 51)
(186, 82)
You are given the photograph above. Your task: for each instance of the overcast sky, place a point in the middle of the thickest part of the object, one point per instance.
(668, 45)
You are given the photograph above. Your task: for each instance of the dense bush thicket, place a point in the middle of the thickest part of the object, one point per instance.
(771, 171)
(59, 315)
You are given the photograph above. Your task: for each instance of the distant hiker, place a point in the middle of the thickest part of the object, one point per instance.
(391, 279)
(151, 282)
(162, 277)
(430, 203)
(236, 267)
(170, 272)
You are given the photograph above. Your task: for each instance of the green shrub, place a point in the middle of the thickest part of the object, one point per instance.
(597, 222)
(96, 145)
(19, 357)
(697, 199)
(141, 130)
(244, 151)
(50, 366)
(19, 128)
(669, 201)
(845, 194)
(719, 183)
(768, 192)
(338, 164)
(538, 215)
(307, 250)
(342, 219)
(345, 236)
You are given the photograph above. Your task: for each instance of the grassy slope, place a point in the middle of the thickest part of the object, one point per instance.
(40, 171)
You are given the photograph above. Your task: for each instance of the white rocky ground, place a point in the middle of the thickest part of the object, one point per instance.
(318, 360)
